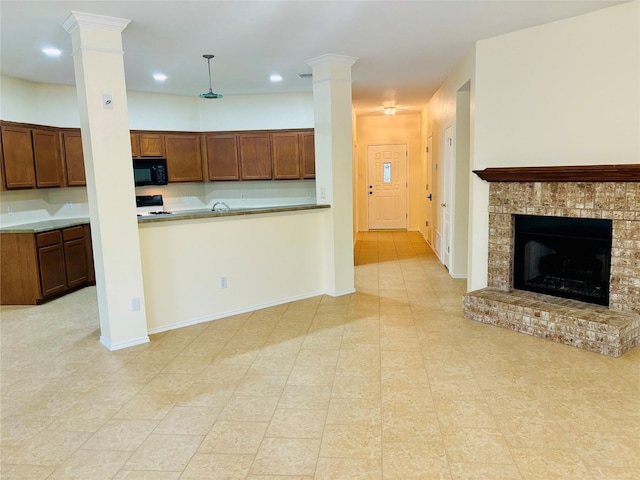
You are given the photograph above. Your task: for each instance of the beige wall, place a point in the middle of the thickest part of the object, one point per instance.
(564, 93)
(442, 111)
(380, 130)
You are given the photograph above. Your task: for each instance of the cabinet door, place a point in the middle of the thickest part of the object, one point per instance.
(285, 149)
(17, 150)
(255, 156)
(53, 276)
(222, 157)
(307, 155)
(74, 158)
(151, 145)
(184, 160)
(76, 262)
(135, 145)
(48, 161)
(88, 249)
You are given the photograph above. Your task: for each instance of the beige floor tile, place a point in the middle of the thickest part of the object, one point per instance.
(17, 429)
(318, 375)
(615, 473)
(217, 466)
(147, 407)
(414, 428)
(48, 448)
(313, 397)
(405, 460)
(476, 445)
(286, 456)
(121, 434)
(460, 414)
(187, 420)
(168, 384)
(261, 385)
(271, 366)
(292, 423)
(25, 472)
(146, 475)
(96, 465)
(363, 411)
(234, 438)
(348, 469)
(164, 452)
(212, 395)
(351, 441)
(479, 471)
(552, 464)
(241, 408)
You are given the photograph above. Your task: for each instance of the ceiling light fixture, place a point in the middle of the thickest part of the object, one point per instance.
(159, 77)
(389, 110)
(52, 51)
(210, 93)
(275, 78)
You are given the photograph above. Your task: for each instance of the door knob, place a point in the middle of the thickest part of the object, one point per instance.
(370, 186)
(430, 197)
(370, 193)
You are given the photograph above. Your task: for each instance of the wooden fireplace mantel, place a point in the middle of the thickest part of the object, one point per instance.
(578, 173)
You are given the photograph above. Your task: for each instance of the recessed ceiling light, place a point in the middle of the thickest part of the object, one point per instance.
(52, 51)
(159, 77)
(275, 78)
(389, 110)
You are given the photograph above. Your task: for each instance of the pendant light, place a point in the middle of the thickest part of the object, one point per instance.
(210, 93)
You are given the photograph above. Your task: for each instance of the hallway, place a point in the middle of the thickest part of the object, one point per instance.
(388, 383)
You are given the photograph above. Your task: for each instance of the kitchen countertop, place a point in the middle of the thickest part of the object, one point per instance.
(48, 225)
(207, 213)
(45, 226)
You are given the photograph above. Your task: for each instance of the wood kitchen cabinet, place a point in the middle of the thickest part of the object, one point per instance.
(47, 158)
(285, 150)
(255, 156)
(37, 267)
(221, 159)
(17, 152)
(184, 158)
(73, 158)
(31, 157)
(147, 145)
(307, 155)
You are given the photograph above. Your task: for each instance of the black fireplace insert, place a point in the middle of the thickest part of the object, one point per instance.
(562, 256)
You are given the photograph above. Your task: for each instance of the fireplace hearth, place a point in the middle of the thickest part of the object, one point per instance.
(578, 282)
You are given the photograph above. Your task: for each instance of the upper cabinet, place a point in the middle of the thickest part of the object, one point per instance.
(307, 154)
(31, 157)
(221, 160)
(285, 150)
(255, 156)
(184, 158)
(73, 158)
(47, 157)
(147, 145)
(17, 153)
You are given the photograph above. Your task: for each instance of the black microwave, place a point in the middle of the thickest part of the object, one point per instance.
(150, 172)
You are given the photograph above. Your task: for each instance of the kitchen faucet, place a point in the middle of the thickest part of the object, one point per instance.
(224, 205)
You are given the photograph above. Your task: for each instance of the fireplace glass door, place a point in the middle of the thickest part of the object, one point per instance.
(564, 257)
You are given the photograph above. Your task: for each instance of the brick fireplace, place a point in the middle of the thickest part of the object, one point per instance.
(596, 192)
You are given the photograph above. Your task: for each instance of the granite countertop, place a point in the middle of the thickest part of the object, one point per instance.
(45, 226)
(48, 225)
(207, 213)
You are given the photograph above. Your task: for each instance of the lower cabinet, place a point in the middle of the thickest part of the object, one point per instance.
(37, 267)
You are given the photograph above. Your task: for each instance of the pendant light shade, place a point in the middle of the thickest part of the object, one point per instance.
(210, 93)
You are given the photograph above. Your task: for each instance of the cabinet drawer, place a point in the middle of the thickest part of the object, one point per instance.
(72, 233)
(49, 238)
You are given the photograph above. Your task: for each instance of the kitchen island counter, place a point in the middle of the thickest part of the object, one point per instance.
(208, 213)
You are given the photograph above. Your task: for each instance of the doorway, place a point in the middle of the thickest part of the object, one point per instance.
(387, 180)
(446, 196)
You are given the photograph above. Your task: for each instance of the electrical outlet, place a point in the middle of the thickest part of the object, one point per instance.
(10, 209)
(242, 196)
(68, 204)
(323, 193)
(223, 282)
(183, 198)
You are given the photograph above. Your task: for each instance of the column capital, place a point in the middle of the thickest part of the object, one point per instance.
(79, 19)
(330, 58)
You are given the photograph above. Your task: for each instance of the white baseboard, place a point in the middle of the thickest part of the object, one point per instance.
(339, 294)
(119, 346)
(458, 275)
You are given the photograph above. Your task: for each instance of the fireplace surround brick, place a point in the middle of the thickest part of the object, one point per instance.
(618, 201)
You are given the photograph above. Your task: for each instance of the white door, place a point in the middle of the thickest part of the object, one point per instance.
(429, 191)
(387, 176)
(446, 195)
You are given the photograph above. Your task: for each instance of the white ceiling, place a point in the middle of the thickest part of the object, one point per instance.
(405, 49)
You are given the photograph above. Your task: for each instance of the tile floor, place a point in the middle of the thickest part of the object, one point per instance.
(388, 383)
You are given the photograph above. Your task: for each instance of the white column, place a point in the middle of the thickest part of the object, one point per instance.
(104, 122)
(333, 148)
